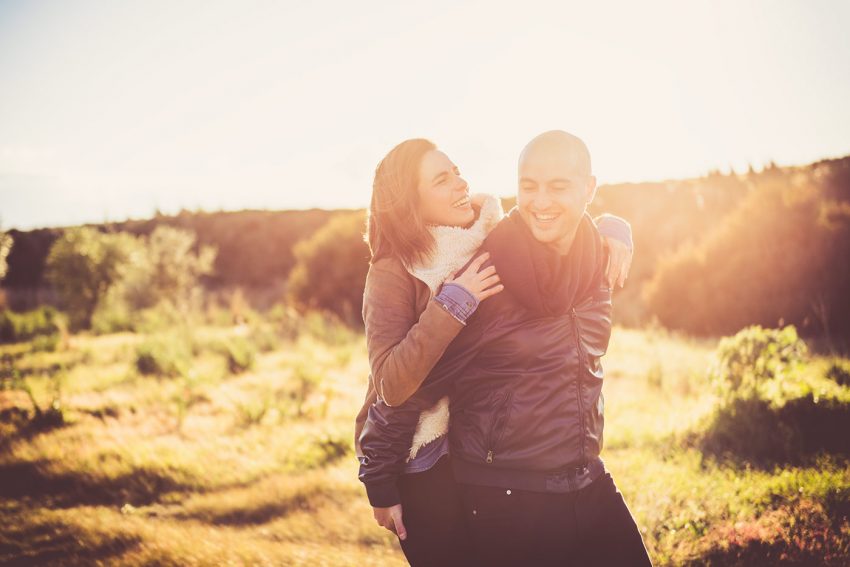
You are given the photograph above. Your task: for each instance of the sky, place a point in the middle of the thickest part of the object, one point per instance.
(113, 110)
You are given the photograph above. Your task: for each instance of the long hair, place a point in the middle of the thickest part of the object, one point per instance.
(395, 225)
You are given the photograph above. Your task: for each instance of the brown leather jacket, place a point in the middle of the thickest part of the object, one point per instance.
(406, 334)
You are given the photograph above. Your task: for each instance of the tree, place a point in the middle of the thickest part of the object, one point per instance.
(330, 268)
(5, 247)
(166, 268)
(82, 265)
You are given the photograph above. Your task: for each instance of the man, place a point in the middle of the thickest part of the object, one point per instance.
(525, 384)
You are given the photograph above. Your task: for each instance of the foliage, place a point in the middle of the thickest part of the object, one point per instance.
(753, 357)
(770, 412)
(780, 257)
(45, 416)
(17, 327)
(241, 355)
(6, 241)
(164, 355)
(83, 264)
(330, 269)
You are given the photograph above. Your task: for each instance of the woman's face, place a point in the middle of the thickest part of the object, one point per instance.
(443, 193)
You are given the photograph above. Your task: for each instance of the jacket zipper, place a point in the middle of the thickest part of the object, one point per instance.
(578, 382)
(498, 424)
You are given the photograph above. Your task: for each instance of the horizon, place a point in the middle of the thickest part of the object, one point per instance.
(200, 210)
(112, 112)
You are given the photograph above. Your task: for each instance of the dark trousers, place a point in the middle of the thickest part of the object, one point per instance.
(437, 534)
(589, 527)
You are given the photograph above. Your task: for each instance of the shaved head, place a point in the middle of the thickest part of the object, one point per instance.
(555, 186)
(560, 145)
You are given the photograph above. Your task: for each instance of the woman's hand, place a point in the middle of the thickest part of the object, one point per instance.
(481, 284)
(390, 518)
(619, 261)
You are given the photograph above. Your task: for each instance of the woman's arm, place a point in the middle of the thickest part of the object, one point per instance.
(403, 344)
(617, 234)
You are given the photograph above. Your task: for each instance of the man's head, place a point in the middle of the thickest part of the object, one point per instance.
(555, 187)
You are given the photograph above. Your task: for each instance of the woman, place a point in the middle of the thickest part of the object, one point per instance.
(422, 230)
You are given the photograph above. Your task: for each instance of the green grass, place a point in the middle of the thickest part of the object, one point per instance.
(213, 467)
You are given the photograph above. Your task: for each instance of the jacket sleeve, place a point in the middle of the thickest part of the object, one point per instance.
(611, 226)
(403, 345)
(388, 433)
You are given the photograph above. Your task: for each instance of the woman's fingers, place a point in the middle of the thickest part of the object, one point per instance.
(624, 273)
(614, 266)
(477, 263)
(488, 271)
(490, 292)
(400, 530)
(489, 282)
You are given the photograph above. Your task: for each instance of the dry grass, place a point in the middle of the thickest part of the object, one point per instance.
(218, 469)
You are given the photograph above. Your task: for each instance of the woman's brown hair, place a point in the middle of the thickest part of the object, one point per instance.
(394, 226)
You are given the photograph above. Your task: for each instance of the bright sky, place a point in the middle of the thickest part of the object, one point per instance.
(109, 110)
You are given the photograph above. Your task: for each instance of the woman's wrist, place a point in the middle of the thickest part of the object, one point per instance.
(457, 300)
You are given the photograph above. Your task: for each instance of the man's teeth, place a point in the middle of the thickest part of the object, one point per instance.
(461, 202)
(545, 218)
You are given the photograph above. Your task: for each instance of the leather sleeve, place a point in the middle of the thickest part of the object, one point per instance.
(387, 434)
(403, 344)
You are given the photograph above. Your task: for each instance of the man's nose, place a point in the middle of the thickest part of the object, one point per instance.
(542, 200)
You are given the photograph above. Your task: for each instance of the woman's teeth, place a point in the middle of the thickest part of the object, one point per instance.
(544, 218)
(461, 202)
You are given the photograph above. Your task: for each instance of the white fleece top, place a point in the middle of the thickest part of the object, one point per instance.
(454, 247)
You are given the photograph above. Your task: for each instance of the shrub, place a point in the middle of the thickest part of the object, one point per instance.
(330, 269)
(83, 265)
(839, 373)
(18, 327)
(163, 356)
(753, 357)
(241, 355)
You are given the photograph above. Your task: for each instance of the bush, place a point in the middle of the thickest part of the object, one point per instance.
(19, 327)
(839, 373)
(163, 356)
(754, 357)
(240, 354)
(83, 265)
(330, 269)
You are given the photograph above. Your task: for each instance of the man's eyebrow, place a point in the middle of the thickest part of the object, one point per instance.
(560, 180)
(526, 180)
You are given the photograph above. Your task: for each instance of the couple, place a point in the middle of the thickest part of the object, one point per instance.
(496, 324)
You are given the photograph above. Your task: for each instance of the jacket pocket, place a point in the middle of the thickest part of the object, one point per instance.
(501, 413)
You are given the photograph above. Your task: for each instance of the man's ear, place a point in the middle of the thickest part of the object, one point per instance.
(591, 188)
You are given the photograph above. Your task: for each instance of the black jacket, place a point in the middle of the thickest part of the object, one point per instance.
(525, 388)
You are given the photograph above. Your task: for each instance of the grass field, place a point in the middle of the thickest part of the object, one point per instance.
(232, 464)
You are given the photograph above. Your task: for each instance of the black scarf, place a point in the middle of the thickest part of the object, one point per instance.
(544, 281)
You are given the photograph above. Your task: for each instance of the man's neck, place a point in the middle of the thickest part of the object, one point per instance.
(564, 245)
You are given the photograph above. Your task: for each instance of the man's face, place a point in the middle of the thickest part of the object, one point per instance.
(554, 190)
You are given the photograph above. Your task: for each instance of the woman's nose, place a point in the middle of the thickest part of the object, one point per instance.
(461, 185)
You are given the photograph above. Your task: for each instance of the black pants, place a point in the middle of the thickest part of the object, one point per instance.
(589, 527)
(437, 533)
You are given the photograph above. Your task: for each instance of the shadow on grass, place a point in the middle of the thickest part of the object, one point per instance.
(262, 513)
(751, 431)
(22, 425)
(66, 490)
(57, 544)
